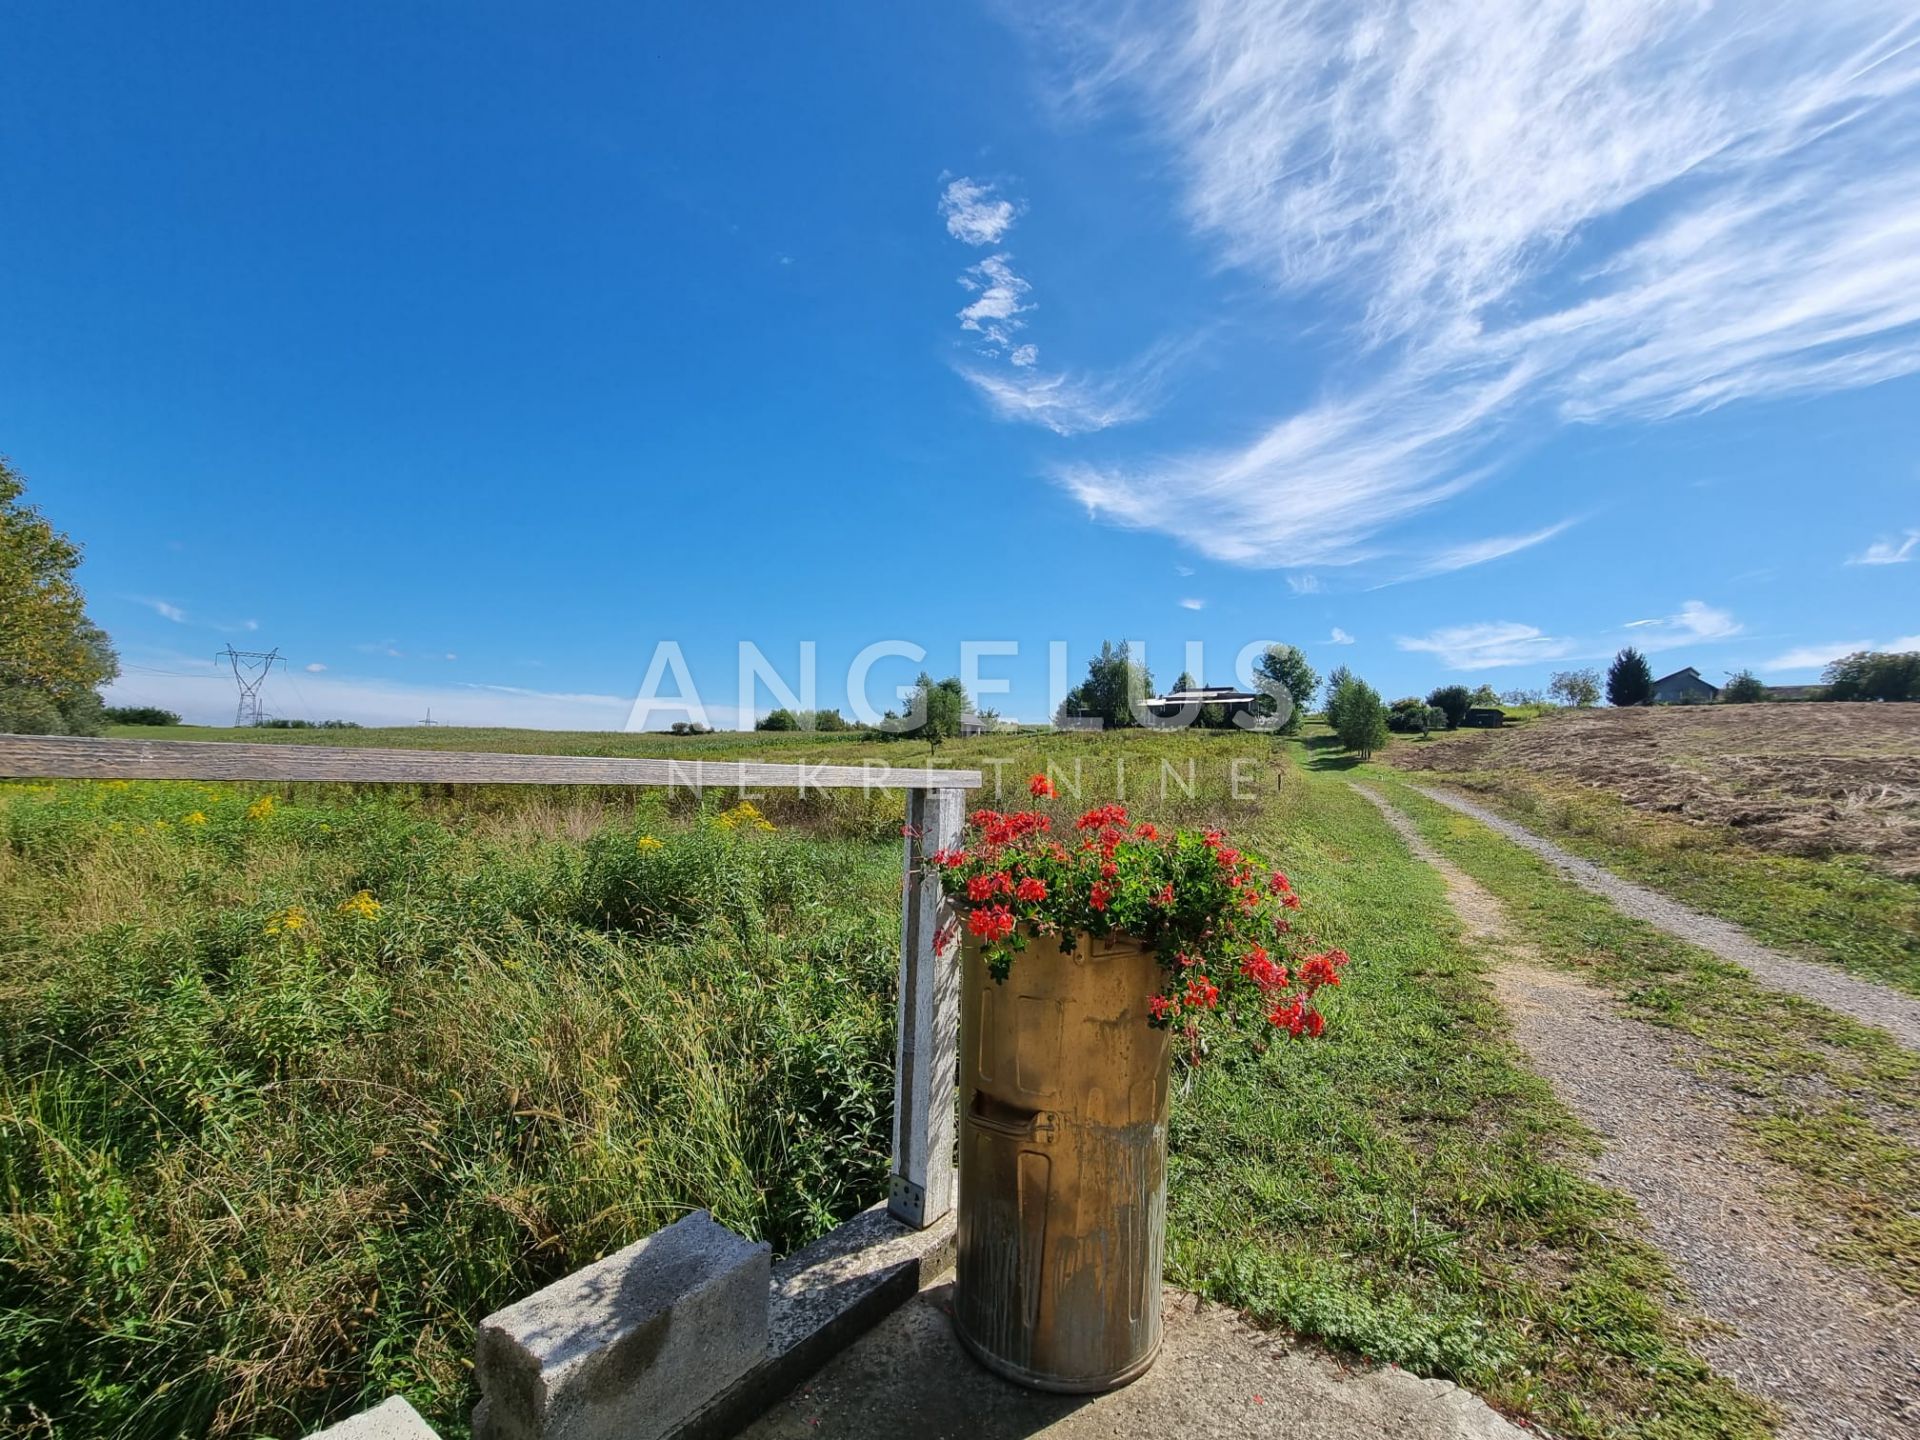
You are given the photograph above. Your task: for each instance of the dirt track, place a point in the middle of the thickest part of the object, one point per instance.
(1828, 1345)
(1809, 779)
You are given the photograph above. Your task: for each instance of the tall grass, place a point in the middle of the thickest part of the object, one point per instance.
(264, 1158)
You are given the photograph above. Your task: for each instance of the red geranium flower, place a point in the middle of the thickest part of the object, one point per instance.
(1041, 788)
(1031, 890)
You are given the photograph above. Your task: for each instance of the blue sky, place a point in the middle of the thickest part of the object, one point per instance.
(468, 352)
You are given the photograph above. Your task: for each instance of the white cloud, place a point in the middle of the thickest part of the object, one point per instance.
(1024, 355)
(976, 213)
(1193, 604)
(996, 309)
(1477, 552)
(165, 609)
(1887, 552)
(1816, 657)
(1528, 210)
(1065, 404)
(316, 668)
(1183, 570)
(1489, 645)
(1339, 637)
(1696, 623)
(1304, 584)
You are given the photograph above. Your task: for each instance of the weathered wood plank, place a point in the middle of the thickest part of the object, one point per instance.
(922, 1189)
(50, 757)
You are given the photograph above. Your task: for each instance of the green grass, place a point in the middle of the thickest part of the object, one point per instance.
(1809, 1077)
(1838, 908)
(251, 1180)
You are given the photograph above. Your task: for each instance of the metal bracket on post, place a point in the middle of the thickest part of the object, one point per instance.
(922, 1188)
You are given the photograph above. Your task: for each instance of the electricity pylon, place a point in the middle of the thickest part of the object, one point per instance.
(250, 670)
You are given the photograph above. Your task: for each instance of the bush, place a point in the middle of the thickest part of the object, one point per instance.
(1410, 715)
(689, 727)
(781, 719)
(1454, 701)
(277, 723)
(1629, 679)
(140, 715)
(1743, 689)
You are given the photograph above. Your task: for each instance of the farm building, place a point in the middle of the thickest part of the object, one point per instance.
(1684, 687)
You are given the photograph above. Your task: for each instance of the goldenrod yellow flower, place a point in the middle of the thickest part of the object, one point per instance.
(362, 904)
(744, 816)
(646, 842)
(287, 921)
(261, 808)
(198, 817)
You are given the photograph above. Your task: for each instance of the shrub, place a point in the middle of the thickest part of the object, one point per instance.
(277, 723)
(1629, 679)
(1454, 701)
(1409, 716)
(140, 715)
(1743, 689)
(781, 719)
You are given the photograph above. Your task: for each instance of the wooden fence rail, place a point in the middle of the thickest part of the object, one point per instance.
(922, 1187)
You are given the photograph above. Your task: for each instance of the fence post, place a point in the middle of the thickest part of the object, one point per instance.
(922, 1188)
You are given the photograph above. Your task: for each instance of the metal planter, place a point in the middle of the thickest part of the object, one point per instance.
(1063, 1165)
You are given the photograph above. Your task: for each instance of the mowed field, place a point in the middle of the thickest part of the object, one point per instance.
(1802, 779)
(299, 1082)
(1800, 822)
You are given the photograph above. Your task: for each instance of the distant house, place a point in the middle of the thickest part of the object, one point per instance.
(975, 724)
(1684, 687)
(1174, 703)
(1484, 717)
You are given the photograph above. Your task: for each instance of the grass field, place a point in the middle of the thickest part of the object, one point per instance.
(294, 1092)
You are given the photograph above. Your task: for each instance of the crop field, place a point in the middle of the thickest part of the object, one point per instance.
(300, 1082)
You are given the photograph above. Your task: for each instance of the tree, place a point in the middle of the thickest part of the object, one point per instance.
(1453, 701)
(941, 703)
(53, 659)
(1114, 681)
(1486, 695)
(1629, 679)
(1744, 689)
(1286, 667)
(1579, 688)
(1339, 685)
(781, 719)
(1873, 675)
(1358, 717)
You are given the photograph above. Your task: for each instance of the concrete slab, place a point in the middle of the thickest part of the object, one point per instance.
(823, 1298)
(1216, 1376)
(630, 1347)
(392, 1419)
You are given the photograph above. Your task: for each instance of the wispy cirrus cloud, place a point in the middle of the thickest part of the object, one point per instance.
(165, 609)
(1888, 552)
(1531, 212)
(1339, 637)
(1490, 645)
(1696, 622)
(998, 303)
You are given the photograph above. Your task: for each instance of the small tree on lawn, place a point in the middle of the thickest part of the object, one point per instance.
(1486, 695)
(1454, 701)
(1629, 679)
(942, 703)
(1744, 689)
(1359, 718)
(1286, 667)
(1114, 681)
(1578, 688)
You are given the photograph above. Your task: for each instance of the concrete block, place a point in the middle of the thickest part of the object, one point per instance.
(392, 1419)
(629, 1347)
(825, 1297)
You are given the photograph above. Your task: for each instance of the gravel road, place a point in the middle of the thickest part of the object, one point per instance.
(1896, 1013)
(1835, 1351)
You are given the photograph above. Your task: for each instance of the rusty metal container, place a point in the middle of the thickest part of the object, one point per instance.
(1063, 1165)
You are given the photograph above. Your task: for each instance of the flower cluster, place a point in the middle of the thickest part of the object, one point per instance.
(1220, 921)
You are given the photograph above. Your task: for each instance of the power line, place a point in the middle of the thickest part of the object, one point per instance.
(250, 671)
